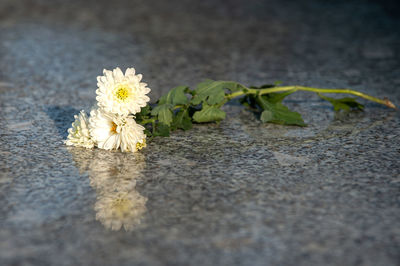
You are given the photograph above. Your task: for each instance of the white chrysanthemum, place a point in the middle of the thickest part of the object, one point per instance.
(79, 134)
(115, 210)
(121, 94)
(112, 131)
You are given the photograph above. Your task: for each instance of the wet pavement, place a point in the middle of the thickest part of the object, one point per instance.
(236, 193)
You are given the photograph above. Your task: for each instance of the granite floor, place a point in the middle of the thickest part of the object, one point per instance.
(237, 193)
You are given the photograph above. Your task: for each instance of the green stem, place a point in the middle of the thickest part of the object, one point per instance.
(153, 127)
(177, 107)
(317, 90)
(146, 121)
(236, 94)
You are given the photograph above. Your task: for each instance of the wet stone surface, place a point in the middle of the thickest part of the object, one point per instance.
(237, 193)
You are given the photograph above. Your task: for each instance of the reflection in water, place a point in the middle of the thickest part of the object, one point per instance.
(115, 210)
(113, 175)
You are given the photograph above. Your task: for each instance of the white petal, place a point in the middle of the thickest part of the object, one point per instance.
(130, 71)
(118, 75)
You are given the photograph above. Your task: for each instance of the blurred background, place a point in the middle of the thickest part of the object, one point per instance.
(182, 42)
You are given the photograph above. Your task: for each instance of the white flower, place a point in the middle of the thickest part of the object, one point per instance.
(112, 131)
(115, 210)
(121, 94)
(79, 134)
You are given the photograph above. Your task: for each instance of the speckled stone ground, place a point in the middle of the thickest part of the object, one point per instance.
(237, 193)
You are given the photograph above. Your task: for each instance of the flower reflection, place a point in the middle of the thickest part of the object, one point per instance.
(115, 210)
(113, 175)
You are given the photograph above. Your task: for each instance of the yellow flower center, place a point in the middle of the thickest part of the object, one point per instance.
(140, 146)
(121, 207)
(122, 92)
(113, 128)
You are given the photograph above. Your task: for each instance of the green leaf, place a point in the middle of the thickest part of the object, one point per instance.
(148, 133)
(277, 97)
(267, 116)
(233, 86)
(163, 113)
(208, 90)
(345, 104)
(209, 114)
(161, 130)
(175, 96)
(265, 86)
(182, 120)
(276, 112)
(213, 91)
(144, 112)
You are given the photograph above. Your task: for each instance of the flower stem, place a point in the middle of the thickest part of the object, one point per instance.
(147, 121)
(317, 90)
(177, 106)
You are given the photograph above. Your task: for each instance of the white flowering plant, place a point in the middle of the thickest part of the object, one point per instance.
(112, 124)
(123, 118)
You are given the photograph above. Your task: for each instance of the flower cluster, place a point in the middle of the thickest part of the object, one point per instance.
(112, 124)
(116, 122)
